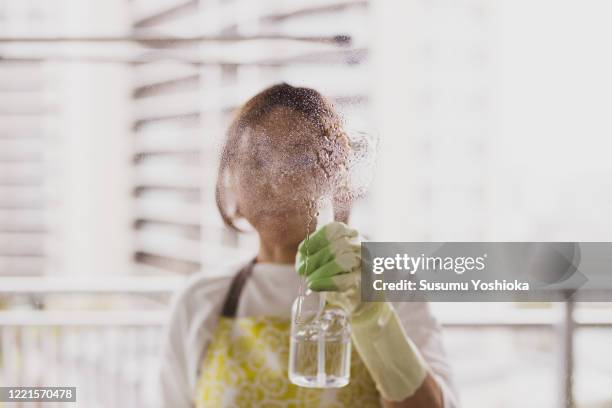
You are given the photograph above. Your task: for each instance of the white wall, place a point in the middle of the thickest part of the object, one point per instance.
(555, 96)
(434, 66)
(494, 120)
(92, 215)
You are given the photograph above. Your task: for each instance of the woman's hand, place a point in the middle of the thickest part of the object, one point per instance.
(330, 259)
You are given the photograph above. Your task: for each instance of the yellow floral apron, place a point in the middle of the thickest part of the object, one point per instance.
(247, 361)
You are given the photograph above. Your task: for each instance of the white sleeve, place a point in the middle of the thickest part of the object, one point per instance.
(193, 317)
(425, 332)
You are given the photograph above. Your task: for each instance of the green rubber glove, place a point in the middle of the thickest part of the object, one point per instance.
(330, 259)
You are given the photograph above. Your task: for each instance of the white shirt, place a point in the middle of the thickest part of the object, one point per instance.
(270, 291)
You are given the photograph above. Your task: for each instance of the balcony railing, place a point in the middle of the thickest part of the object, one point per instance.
(101, 336)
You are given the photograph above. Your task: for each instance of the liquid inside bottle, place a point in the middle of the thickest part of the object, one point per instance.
(320, 350)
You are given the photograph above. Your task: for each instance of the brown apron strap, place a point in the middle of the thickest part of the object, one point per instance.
(233, 295)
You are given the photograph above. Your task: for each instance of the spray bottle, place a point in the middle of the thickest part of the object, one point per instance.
(320, 349)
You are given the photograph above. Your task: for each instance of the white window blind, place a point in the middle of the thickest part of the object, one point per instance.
(23, 111)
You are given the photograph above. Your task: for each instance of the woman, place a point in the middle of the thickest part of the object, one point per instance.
(228, 337)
